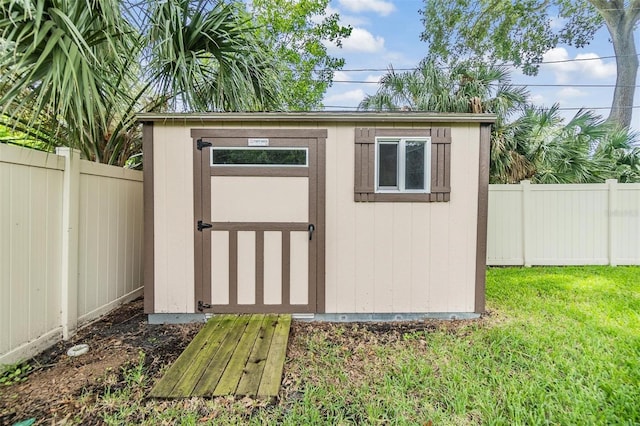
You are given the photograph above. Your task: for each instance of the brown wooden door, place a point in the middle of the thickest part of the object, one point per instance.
(259, 220)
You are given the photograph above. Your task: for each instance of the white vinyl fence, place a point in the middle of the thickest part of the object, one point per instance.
(582, 224)
(70, 245)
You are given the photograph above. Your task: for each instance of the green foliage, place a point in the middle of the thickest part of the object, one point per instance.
(296, 32)
(76, 72)
(15, 373)
(515, 31)
(521, 31)
(466, 86)
(541, 147)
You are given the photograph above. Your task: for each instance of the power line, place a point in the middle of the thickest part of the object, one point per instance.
(512, 84)
(559, 109)
(559, 61)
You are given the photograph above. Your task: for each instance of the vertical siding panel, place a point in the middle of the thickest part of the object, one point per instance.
(272, 267)
(331, 208)
(420, 258)
(462, 217)
(383, 257)
(401, 246)
(345, 221)
(299, 268)
(440, 267)
(364, 254)
(247, 267)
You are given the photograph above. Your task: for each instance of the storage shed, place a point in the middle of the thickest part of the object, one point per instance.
(339, 216)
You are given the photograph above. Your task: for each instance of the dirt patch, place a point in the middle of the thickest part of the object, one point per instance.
(53, 391)
(68, 388)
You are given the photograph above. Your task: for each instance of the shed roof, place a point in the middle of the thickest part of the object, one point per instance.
(332, 116)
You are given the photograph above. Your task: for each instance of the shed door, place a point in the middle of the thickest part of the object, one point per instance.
(259, 221)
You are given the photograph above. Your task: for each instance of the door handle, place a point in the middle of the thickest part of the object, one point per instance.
(311, 229)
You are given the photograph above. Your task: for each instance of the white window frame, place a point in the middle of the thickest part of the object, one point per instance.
(260, 148)
(401, 167)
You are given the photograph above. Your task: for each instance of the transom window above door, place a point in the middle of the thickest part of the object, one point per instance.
(249, 156)
(403, 165)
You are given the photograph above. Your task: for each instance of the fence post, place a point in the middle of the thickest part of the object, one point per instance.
(70, 235)
(526, 225)
(612, 187)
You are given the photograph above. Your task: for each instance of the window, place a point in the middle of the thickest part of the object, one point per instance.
(273, 156)
(401, 165)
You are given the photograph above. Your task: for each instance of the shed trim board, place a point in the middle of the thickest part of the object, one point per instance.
(147, 185)
(393, 255)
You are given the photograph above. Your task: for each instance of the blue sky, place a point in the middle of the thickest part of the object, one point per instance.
(387, 32)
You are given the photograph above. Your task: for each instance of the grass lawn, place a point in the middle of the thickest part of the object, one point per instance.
(559, 346)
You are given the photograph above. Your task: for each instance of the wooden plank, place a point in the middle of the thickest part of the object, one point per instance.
(231, 376)
(210, 374)
(166, 384)
(272, 374)
(252, 373)
(198, 362)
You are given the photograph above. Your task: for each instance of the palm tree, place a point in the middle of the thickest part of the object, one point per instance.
(461, 87)
(75, 72)
(586, 149)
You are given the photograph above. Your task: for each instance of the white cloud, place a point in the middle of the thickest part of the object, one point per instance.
(381, 7)
(341, 76)
(566, 69)
(362, 40)
(536, 99)
(373, 78)
(571, 92)
(350, 97)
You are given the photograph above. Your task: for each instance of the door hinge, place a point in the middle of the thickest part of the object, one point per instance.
(203, 144)
(203, 306)
(202, 225)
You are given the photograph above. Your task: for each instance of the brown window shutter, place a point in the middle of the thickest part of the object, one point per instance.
(440, 164)
(364, 164)
(364, 182)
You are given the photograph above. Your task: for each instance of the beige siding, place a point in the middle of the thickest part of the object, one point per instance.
(401, 257)
(173, 220)
(259, 199)
(110, 254)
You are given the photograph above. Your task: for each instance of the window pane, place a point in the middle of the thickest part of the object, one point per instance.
(259, 157)
(388, 165)
(414, 165)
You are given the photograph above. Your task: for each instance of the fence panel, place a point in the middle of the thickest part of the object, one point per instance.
(581, 224)
(103, 268)
(30, 238)
(110, 234)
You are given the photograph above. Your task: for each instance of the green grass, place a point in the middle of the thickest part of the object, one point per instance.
(559, 346)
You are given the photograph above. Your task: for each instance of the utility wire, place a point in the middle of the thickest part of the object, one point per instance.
(559, 109)
(559, 61)
(511, 84)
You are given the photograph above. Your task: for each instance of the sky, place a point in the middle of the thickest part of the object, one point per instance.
(387, 33)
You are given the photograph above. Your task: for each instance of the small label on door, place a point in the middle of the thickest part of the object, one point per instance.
(258, 142)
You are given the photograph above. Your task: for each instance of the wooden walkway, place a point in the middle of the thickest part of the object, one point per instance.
(231, 355)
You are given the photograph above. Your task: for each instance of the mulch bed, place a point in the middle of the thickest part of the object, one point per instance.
(53, 389)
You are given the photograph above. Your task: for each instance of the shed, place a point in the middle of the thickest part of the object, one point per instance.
(335, 216)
